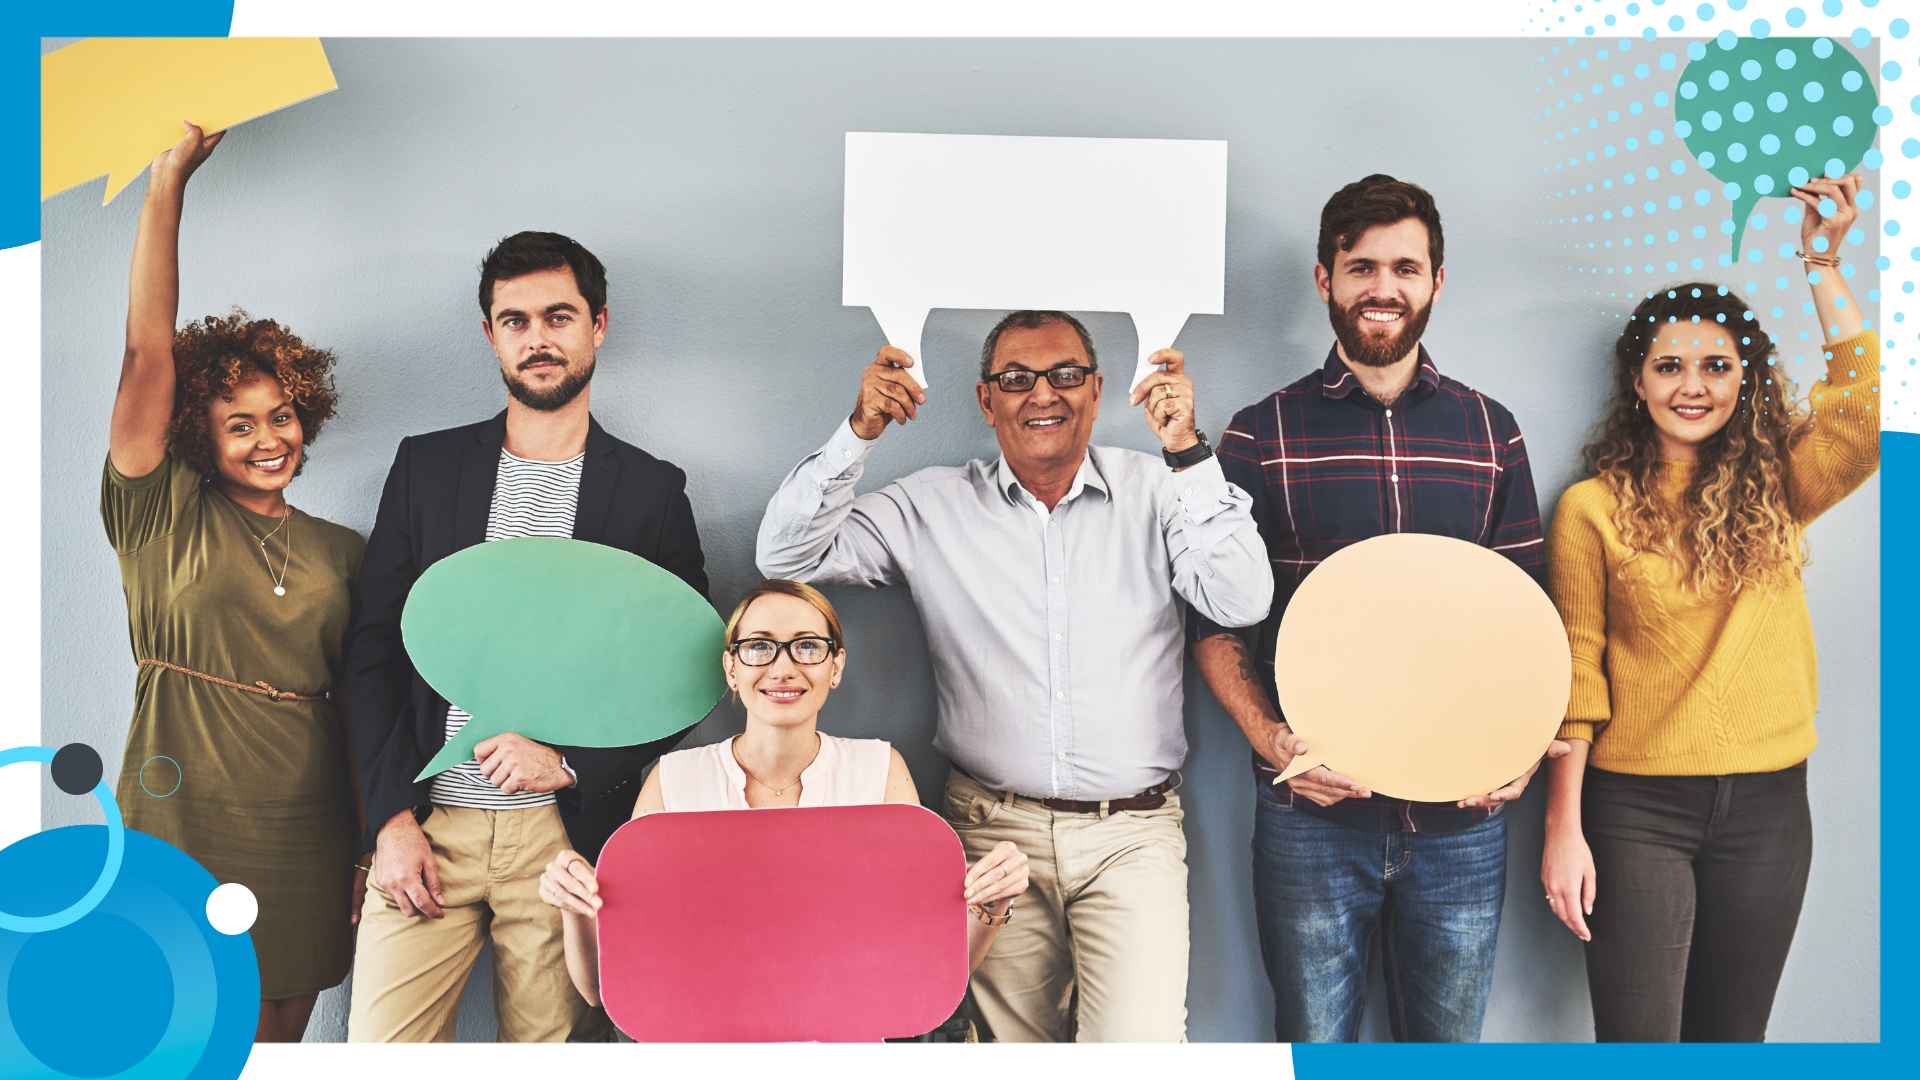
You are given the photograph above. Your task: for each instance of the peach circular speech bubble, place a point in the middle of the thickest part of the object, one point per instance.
(1422, 667)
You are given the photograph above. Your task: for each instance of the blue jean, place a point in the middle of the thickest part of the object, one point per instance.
(1321, 891)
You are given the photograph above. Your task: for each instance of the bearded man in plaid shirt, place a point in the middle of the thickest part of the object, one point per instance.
(1374, 441)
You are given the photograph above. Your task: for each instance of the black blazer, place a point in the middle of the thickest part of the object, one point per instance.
(437, 499)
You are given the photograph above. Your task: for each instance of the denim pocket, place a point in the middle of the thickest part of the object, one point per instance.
(1271, 796)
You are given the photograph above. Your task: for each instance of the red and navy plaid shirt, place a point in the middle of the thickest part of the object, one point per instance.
(1327, 465)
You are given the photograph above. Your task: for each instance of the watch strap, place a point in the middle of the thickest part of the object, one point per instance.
(1191, 456)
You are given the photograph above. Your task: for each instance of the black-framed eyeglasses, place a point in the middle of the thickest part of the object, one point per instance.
(1020, 380)
(805, 651)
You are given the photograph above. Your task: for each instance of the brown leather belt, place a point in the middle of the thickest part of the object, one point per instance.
(1151, 799)
(259, 687)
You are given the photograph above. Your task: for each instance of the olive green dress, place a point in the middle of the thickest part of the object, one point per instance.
(256, 790)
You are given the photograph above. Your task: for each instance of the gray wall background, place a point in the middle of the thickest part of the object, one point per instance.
(707, 176)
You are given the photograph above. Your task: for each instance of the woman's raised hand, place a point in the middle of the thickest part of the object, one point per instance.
(995, 880)
(193, 149)
(569, 884)
(1830, 212)
(1829, 208)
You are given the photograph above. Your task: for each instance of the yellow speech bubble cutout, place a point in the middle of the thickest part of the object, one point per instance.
(112, 105)
(1422, 667)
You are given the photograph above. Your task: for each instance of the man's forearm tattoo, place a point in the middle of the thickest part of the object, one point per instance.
(1241, 657)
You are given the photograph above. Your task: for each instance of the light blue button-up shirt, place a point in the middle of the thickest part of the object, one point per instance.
(1057, 637)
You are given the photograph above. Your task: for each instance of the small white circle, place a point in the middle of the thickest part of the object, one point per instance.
(231, 908)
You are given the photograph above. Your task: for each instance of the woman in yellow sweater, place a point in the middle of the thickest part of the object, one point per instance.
(1683, 806)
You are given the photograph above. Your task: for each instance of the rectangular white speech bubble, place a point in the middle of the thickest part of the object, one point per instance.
(1011, 222)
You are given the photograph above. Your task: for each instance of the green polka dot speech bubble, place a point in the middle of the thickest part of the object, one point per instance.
(563, 642)
(1768, 114)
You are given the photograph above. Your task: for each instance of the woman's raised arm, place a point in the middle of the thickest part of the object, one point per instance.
(143, 405)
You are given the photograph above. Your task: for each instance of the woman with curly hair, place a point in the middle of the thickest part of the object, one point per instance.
(236, 606)
(1678, 832)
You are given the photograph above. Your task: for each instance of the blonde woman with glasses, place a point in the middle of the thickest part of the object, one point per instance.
(785, 654)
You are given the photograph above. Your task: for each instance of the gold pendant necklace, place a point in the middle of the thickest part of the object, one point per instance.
(777, 792)
(279, 583)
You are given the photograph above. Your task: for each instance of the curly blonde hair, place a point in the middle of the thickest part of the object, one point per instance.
(215, 354)
(1733, 527)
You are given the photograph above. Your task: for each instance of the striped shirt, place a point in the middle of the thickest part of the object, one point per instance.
(530, 498)
(1328, 466)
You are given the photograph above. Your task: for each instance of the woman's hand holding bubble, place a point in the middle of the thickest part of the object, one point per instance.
(1831, 210)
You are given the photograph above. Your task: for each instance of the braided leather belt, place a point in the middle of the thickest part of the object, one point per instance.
(258, 687)
(1151, 799)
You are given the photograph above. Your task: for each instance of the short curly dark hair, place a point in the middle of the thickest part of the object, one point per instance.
(215, 354)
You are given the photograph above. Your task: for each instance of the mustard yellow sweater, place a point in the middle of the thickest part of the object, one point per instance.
(1665, 684)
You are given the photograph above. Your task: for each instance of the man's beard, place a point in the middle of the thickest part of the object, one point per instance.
(1369, 349)
(553, 397)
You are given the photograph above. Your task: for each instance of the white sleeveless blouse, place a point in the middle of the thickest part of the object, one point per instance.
(847, 772)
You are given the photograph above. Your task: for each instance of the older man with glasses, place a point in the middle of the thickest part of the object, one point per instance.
(1051, 582)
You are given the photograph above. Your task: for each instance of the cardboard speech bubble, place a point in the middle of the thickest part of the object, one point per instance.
(562, 641)
(998, 221)
(112, 105)
(1422, 667)
(1766, 115)
(814, 924)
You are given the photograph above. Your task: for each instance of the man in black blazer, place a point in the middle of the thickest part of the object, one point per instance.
(458, 856)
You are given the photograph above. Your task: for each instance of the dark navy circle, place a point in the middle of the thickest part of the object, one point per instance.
(76, 768)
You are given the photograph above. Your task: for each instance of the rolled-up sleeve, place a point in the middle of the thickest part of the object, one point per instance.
(1219, 560)
(816, 531)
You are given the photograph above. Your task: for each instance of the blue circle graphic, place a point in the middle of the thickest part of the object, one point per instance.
(182, 999)
(60, 967)
(116, 847)
(179, 775)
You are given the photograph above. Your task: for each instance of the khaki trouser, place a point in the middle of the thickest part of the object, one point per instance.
(1105, 914)
(408, 972)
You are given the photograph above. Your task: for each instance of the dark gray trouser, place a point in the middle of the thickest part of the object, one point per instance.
(1700, 880)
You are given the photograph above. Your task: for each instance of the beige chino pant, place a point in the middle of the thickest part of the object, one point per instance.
(1105, 913)
(408, 972)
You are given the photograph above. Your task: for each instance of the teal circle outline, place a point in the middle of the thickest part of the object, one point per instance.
(116, 848)
(142, 776)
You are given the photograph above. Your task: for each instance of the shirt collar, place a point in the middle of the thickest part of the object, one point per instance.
(1088, 477)
(1338, 382)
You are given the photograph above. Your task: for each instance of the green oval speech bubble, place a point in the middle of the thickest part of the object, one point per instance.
(564, 642)
(1768, 114)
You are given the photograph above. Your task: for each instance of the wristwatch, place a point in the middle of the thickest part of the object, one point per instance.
(1192, 455)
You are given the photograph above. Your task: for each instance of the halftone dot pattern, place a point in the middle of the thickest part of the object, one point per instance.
(1795, 91)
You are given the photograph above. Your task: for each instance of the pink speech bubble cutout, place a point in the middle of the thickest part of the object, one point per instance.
(809, 924)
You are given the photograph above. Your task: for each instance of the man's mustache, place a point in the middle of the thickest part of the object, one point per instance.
(540, 358)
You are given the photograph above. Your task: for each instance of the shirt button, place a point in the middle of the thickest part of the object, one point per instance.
(1056, 637)
(1051, 523)
(1056, 579)
(1394, 478)
(1389, 414)
(1062, 755)
(849, 453)
(1061, 694)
